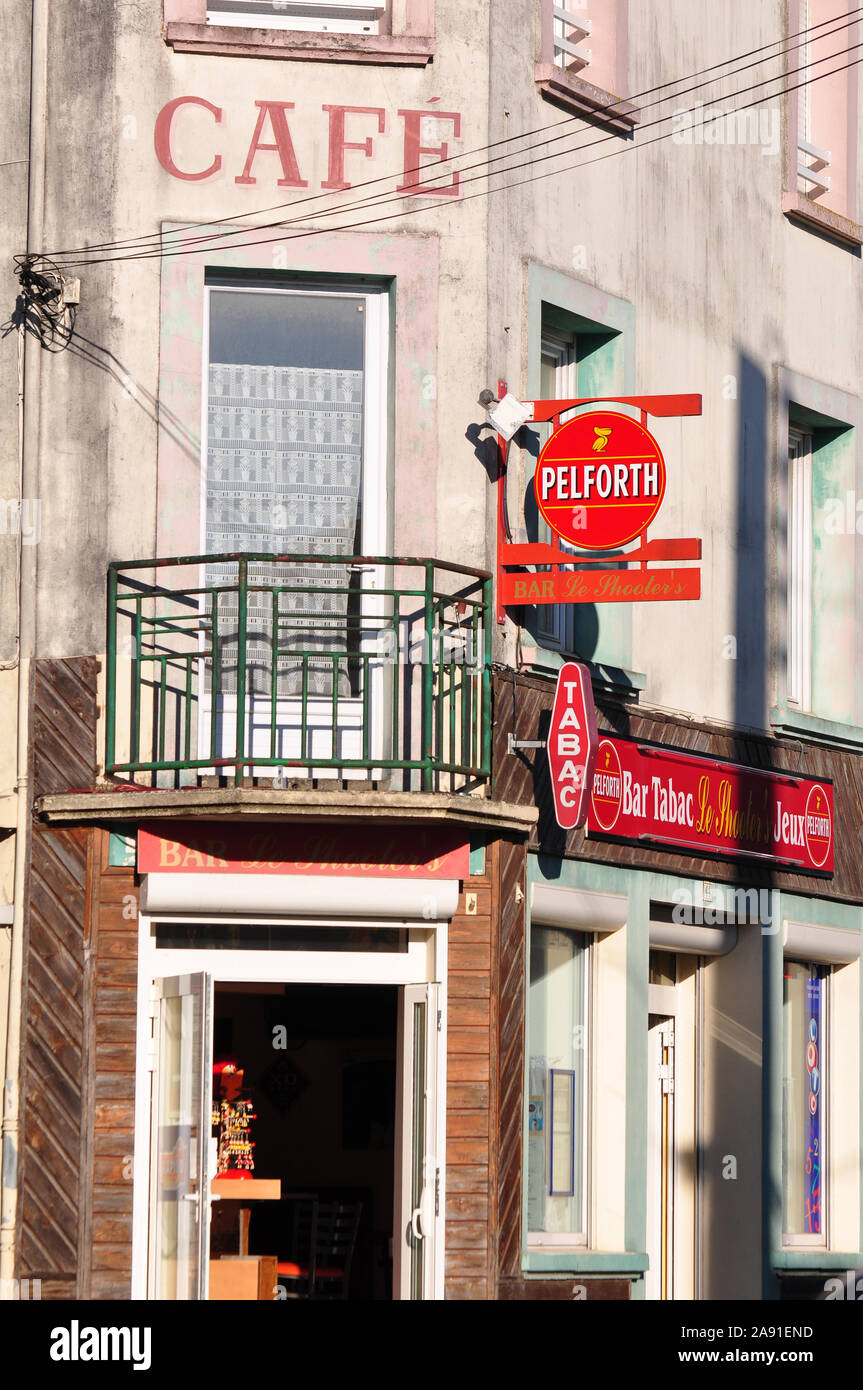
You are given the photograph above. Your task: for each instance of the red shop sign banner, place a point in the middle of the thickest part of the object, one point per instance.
(649, 793)
(360, 851)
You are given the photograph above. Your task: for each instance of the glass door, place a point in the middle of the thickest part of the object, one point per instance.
(179, 1144)
(418, 1181)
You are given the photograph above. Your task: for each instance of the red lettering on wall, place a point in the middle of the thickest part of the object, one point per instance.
(414, 149)
(283, 147)
(336, 175)
(162, 137)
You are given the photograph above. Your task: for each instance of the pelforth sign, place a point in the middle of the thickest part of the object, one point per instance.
(600, 480)
(572, 745)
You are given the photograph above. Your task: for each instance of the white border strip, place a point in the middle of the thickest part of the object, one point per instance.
(415, 900)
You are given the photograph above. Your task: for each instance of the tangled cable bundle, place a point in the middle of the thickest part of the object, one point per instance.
(46, 310)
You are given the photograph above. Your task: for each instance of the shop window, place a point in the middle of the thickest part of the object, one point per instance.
(582, 62)
(558, 1034)
(383, 31)
(805, 1078)
(821, 163)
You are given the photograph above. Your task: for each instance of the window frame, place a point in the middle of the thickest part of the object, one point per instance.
(834, 419)
(802, 1241)
(799, 593)
(248, 17)
(374, 509)
(555, 623)
(410, 41)
(806, 201)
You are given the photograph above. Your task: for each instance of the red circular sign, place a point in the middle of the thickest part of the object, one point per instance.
(818, 825)
(607, 793)
(600, 480)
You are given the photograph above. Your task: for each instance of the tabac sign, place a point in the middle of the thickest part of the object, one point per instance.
(599, 483)
(647, 793)
(571, 745)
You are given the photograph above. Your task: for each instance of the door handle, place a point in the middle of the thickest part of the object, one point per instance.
(417, 1223)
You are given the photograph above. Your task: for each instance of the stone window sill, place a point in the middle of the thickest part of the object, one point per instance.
(802, 210)
(574, 94)
(811, 727)
(395, 49)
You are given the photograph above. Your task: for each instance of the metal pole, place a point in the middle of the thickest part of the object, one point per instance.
(242, 599)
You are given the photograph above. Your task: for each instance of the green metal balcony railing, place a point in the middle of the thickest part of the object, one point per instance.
(309, 665)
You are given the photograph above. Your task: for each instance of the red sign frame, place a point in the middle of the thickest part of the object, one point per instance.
(572, 743)
(644, 792)
(595, 582)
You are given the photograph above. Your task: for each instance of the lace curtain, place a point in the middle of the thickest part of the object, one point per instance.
(284, 463)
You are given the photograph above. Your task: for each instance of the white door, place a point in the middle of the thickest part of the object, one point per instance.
(179, 1208)
(296, 448)
(659, 1283)
(417, 1185)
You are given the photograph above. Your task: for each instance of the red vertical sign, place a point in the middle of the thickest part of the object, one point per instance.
(572, 745)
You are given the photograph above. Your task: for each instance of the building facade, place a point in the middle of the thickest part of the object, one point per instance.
(277, 799)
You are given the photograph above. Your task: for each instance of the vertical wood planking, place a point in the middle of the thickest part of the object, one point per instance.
(62, 756)
(510, 994)
(114, 993)
(468, 1102)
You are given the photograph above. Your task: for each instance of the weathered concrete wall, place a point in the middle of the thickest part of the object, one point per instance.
(14, 138)
(101, 478)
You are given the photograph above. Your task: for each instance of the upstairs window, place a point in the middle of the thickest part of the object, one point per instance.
(799, 693)
(582, 59)
(821, 159)
(322, 16)
(390, 32)
(558, 381)
(570, 28)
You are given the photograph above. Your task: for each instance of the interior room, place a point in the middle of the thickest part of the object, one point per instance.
(304, 1081)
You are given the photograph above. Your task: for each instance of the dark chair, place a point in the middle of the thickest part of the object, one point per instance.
(296, 1272)
(335, 1240)
(325, 1235)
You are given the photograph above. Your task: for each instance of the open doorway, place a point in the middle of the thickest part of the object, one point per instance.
(315, 1092)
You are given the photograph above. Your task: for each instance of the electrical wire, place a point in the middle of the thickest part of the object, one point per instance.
(183, 249)
(158, 240)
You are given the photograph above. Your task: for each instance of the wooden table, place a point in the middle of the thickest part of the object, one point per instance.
(246, 1190)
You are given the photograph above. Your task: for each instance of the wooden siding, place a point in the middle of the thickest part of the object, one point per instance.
(469, 1262)
(53, 1092)
(113, 1005)
(523, 708)
(510, 987)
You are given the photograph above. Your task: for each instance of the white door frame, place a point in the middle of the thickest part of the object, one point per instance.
(661, 1091)
(425, 962)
